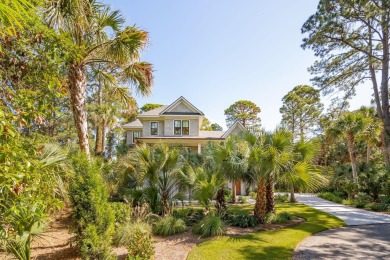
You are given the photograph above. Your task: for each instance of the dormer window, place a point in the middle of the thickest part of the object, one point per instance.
(181, 127)
(153, 128)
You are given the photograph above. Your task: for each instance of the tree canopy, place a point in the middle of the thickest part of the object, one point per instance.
(244, 111)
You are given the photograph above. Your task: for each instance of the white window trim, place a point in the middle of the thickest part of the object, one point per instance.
(151, 127)
(181, 127)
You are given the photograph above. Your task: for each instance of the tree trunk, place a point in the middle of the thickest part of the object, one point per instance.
(385, 82)
(260, 205)
(352, 156)
(164, 203)
(100, 125)
(77, 91)
(110, 145)
(220, 201)
(292, 194)
(234, 192)
(270, 197)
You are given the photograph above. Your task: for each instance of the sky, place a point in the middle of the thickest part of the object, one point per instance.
(216, 52)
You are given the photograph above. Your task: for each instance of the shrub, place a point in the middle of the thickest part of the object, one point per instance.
(227, 193)
(210, 226)
(190, 215)
(241, 220)
(169, 226)
(378, 207)
(330, 196)
(140, 246)
(273, 218)
(281, 197)
(91, 211)
(347, 202)
(362, 197)
(242, 200)
(253, 195)
(359, 204)
(122, 211)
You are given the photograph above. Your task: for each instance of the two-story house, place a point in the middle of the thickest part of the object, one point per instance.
(178, 124)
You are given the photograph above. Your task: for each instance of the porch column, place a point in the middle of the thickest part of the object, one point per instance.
(199, 148)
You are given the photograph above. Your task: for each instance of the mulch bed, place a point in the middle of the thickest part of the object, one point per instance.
(57, 241)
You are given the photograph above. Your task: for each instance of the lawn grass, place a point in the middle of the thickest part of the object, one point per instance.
(271, 244)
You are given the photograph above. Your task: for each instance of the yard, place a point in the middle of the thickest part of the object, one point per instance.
(270, 244)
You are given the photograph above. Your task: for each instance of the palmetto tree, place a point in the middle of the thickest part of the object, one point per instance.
(348, 126)
(83, 24)
(157, 167)
(231, 157)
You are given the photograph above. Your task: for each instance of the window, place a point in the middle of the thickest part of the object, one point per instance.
(135, 135)
(181, 127)
(177, 127)
(185, 127)
(154, 128)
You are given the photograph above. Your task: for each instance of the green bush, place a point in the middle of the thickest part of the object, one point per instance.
(330, 196)
(359, 204)
(139, 245)
(362, 197)
(122, 211)
(273, 218)
(91, 211)
(210, 226)
(169, 226)
(281, 197)
(227, 193)
(191, 216)
(378, 207)
(253, 195)
(242, 200)
(241, 220)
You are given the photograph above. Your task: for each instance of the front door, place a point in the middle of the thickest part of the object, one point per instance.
(238, 187)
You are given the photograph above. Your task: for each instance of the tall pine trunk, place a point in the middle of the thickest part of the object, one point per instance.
(260, 205)
(270, 206)
(77, 92)
(100, 128)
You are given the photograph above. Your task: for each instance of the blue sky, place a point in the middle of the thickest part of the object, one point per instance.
(215, 52)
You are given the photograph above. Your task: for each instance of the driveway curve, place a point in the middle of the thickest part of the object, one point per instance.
(351, 216)
(354, 242)
(366, 236)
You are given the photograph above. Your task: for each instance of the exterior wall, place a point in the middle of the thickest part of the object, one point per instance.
(194, 127)
(180, 108)
(146, 128)
(236, 131)
(168, 127)
(129, 137)
(230, 186)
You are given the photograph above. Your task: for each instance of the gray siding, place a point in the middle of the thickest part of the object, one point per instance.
(180, 108)
(146, 128)
(129, 137)
(194, 127)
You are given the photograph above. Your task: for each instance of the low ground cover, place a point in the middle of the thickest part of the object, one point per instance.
(270, 244)
(361, 200)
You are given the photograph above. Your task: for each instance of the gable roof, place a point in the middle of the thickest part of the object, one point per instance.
(135, 124)
(168, 109)
(236, 124)
(153, 112)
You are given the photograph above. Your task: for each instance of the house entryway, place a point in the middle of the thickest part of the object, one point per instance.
(238, 187)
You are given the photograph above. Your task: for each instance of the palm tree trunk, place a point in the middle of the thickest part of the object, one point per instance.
(260, 205)
(234, 192)
(270, 206)
(77, 91)
(292, 194)
(352, 156)
(220, 201)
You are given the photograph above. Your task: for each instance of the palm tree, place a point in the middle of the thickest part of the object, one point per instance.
(83, 25)
(348, 126)
(158, 167)
(15, 14)
(302, 171)
(232, 159)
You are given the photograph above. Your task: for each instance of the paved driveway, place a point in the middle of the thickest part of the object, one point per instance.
(366, 237)
(355, 242)
(351, 216)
